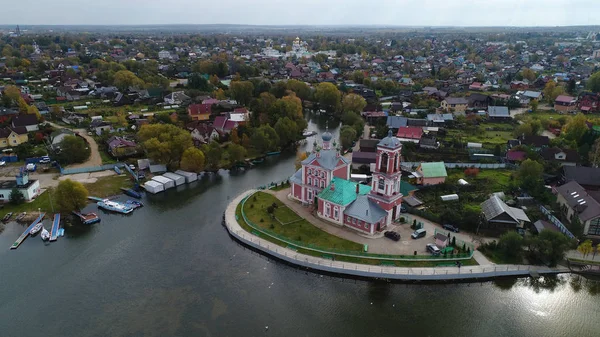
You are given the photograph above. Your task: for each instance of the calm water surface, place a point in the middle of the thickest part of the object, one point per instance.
(170, 269)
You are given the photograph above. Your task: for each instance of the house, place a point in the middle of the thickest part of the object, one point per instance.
(565, 157)
(477, 86)
(323, 182)
(429, 142)
(535, 142)
(58, 136)
(176, 97)
(498, 215)
(498, 113)
(368, 145)
(410, 134)
(121, 147)
(395, 122)
(479, 101)
(533, 95)
(455, 104)
(164, 55)
(99, 126)
(431, 173)
(199, 112)
(28, 121)
(589, 102)
(575, 201)
(437, 119)
(441, 240)
(13, 136)
(29, 188)
(7, 114)
(202, 133)
(565, 103)
(223, 124)
(584, 176)
(363, 158)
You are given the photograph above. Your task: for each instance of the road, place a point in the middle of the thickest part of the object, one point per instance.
(94, 159)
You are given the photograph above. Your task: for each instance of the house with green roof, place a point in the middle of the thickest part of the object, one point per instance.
(431, 173)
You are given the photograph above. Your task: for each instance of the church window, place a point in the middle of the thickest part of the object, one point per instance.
(384, 162)
(381, 184)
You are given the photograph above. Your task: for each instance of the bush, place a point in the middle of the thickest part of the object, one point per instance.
(16, 197)
(270, 209)
(251, 205)
(274, 205)
(472, 172)
(402, 219)
(262, 220)
(272, 226)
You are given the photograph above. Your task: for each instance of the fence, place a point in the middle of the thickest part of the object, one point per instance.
(556, 222)
(90, 168)
(467, 165)
(257, 230)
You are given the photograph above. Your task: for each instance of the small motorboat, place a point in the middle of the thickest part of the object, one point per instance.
(114, 206)
(131, 192)
(36, 228)
(7, 217)
(133, 204)
(45, 235)
(21, 216)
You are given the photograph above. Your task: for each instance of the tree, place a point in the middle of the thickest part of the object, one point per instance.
(548, 247)
(264, 139)
(73, 149)
(576, 128)
(510, 244)
(347, 136)
(585, 248)
(124, 79)
(301, 89)
(529, 175)
(16, 197)
(593, 82)
(328, 96)
(354, 103)
(534, 105)
(235, 138)
(529, 74)
(286, 130)
(192, 160)
(551, 91)
(241, 91)
(219, 94)
(197, 81)
(70, 195)
(165, 143)
(571, 86)
(523, 130)
(33, 110)
(236, 153)
(213, 153)
(594, 155)
(358, 76)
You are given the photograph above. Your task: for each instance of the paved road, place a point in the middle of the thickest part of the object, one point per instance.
(94, 159)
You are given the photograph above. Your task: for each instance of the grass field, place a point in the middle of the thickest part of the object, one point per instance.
(108, 186)
(286, 215)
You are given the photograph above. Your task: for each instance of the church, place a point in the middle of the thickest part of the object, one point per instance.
(324, 182)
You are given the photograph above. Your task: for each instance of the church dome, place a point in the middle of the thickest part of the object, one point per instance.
(326, 136)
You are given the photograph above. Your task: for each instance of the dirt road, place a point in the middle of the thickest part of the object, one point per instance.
(94, 159)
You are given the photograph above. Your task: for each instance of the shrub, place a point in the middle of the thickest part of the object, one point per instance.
(454, 242)
(262, 220)
(472, 172)
(270, 209)
(274, 205)
(272, 226)
(251, 205)
(16, 197)
(402, 219)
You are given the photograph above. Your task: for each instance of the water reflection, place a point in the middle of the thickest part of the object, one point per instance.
(551, 283)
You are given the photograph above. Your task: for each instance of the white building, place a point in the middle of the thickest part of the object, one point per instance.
(29, 188)
(164, 54)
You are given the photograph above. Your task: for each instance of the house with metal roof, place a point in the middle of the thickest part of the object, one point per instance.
(576, 201)
(431, 173)
(498, 215)
(498, 112)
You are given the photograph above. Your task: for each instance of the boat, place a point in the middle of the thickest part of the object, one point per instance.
(25, 234)
(258, 161)
(61, 232)
(33, 231)
(133, 204)
(21, 216)
(114, 206)
(308, 133)
(45, 235)
(131, 192)
(7, 217)
(274, 153)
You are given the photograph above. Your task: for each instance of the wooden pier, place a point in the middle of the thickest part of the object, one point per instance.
(26, 232)
(88, 219)
(55, 226)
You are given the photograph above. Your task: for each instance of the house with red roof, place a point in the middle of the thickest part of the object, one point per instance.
(410, 134)
(224, 124)
(199, 112)
(565, 103)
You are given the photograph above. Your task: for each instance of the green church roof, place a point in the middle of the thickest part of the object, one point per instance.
(344, 191)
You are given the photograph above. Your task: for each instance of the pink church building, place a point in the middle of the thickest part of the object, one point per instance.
(323, 181)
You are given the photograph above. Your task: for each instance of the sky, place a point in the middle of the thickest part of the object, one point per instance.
(304, 12)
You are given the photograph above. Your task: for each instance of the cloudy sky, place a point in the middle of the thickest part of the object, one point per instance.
(305, 12)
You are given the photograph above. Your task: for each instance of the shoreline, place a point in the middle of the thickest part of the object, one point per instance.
(348, 269)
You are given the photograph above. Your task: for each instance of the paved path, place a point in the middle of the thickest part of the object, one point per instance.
(354, 269)
(94, 159)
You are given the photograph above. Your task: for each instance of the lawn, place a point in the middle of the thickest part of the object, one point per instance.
(109, 186)
(303, 231)
(486, 137)
(106, 158)
(42, 202)
(286, 215)
(498, 257)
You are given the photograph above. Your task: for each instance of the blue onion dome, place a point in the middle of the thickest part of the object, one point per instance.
(326, 136)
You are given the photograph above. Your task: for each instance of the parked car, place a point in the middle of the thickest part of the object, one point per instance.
(392, 235)
(450, 228)
(2, 163)
(419, 233)
(45, 160)
(433, 249)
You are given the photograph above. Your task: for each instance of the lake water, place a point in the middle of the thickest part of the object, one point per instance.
(170, 269)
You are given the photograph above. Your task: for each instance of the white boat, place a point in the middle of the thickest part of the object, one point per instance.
(45, 235)
(36, 229)
(114, 206)
(307, 133)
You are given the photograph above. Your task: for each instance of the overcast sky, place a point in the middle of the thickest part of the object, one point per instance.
(305, 12)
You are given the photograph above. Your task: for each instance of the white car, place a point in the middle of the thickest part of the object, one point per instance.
(2, 163)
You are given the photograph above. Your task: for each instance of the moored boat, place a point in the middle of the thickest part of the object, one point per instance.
(133, 204)
(45, 235)
(131, 192)
(21, 216)
(35, 229)
(114, 206)
(7, 217)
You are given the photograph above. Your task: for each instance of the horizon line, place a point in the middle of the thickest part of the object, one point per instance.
(290, 25)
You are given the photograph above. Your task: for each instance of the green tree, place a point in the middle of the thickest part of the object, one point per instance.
(197, 81)
(124, 79)
(241, 91)
(524, 129)
(358, 77)
(534, 105)
(511, 246)
(354, 103)
(301, 89)
(548, 247)
(192, 160)
(165, 143)
(70, 195)
(286, 130)
(530, 174)
(571, 86)
(16, 197)
(236, 153)
(213, 154)
(264, 139)
(33, 110)
(347, 136)
(529, 74)
(594, 155)
(593, 82)
(576, 128)
(328, 96)
(551, 91)
(73, 149)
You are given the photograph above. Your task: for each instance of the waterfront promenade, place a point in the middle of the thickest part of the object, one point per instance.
(479, 272)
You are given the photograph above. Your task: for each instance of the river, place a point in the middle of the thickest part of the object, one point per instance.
(170, 269)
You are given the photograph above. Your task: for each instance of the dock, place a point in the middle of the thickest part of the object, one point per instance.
(26, 232)
(55, 226)
(95, 198)
(87, 219)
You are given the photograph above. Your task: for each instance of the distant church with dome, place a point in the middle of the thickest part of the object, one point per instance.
(324, 182)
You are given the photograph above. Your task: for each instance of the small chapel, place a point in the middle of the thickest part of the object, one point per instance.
(324, 182)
